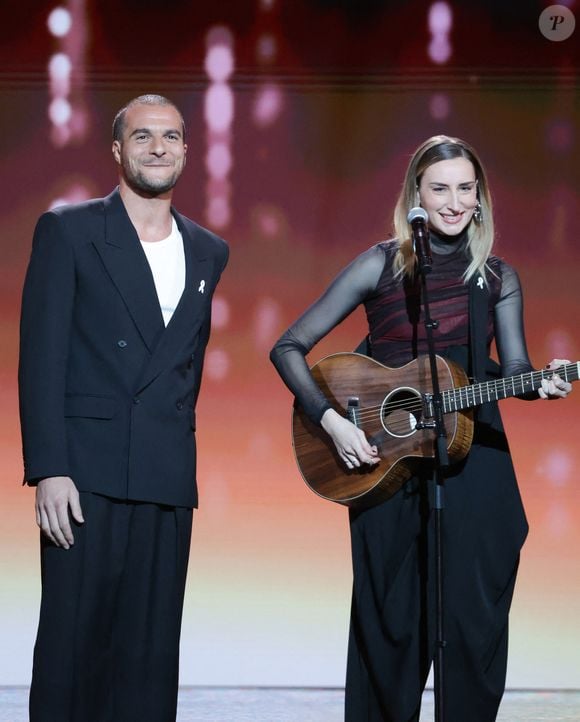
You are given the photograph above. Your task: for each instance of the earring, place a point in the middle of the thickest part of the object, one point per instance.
(477, 217)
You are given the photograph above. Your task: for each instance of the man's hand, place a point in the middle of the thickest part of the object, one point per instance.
(351, 443)
(54, 496)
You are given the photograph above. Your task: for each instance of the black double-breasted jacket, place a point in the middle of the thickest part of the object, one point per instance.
(107, 392)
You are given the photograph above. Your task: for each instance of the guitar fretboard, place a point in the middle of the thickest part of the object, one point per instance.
(466, 397)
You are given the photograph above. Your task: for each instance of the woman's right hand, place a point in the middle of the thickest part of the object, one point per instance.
(351, 443)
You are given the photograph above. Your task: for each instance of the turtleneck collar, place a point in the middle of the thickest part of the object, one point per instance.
(446, 245)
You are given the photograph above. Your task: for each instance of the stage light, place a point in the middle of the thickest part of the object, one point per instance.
(218, 212)
(59, 70)
(58, 202)
(217, 364)
(439, 106)
(440, 22)
(268, 105)
(218, 187)
(559, 343)
(220, 312)
(440, 18)
(557, 467)
(59, 111)
(269, 220)
(60, 66)
(76, 193)
(219, 63)
(266, 48)
(219, 107)
(218, 160)
(558, 519)
(219, 117)
(59, 22)
(439, 50)
(66, 109)
(267, 322)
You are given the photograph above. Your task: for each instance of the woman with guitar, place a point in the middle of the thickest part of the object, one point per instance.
(476, 298)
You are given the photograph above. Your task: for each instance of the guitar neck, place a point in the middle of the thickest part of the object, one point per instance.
(466, 397)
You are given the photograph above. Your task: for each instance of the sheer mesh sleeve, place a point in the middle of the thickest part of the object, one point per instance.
(345, 293)
(509, 327)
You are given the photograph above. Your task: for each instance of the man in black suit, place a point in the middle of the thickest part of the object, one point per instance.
(115, 321)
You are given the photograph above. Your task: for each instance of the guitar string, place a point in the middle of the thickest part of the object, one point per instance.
(456, 395)
(401, 426)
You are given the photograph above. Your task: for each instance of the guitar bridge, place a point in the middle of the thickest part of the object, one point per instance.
(428, 413)
(353, 410)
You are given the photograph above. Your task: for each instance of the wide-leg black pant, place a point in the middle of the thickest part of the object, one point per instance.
(392, 634)
(107, 648)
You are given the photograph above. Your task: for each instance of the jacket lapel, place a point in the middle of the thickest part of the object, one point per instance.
(127, 265)
(193, 307)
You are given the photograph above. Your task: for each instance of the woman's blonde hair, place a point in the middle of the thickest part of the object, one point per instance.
(479, 232)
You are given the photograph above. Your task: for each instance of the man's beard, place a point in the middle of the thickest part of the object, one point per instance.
(152, 186)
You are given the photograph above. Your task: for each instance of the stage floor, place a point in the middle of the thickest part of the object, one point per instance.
(226, 704)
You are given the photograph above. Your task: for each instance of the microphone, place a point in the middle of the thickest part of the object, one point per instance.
(417, 218)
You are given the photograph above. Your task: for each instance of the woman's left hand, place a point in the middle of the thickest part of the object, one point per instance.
(556, 387)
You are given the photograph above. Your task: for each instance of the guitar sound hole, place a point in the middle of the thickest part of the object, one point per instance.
(400, 412)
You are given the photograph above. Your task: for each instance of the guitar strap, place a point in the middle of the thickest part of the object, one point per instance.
(479, 362)
(478, 314)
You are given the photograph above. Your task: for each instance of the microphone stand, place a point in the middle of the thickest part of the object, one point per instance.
(441, 463)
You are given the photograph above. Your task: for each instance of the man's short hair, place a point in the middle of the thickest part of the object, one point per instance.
(149, 99)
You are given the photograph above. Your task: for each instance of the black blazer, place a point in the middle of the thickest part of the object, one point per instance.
(107, 392)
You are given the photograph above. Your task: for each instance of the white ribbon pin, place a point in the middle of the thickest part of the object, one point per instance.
(201, 288)
(480, 282)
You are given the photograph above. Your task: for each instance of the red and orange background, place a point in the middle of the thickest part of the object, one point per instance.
(328, 101)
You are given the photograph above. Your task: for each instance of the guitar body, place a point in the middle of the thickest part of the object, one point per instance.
(389, 407)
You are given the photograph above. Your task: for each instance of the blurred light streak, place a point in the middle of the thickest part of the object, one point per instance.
(269, 220)
(440, 21)
(218, 211)
(59, 71)
(220, 312)
(76, 193)
(439, 106)
(558, 519)
(66, 108)
(560, 344)
(219, 110)
(266, 48)
(217, 364)
(219, 160)
(59, 111)
(219, 107)
(440, 18)
(267, 105)
(439, 50)
(558, 467)
(219, 63)
(267, 320)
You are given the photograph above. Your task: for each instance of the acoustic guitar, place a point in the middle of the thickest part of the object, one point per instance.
(394, 407)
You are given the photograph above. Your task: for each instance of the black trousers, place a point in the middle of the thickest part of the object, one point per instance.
(392, 634)
(107, 648)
